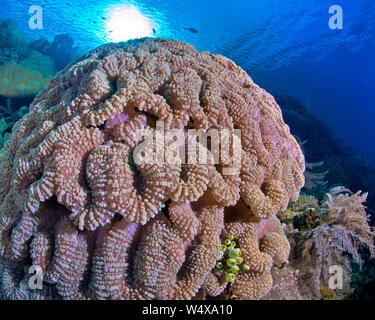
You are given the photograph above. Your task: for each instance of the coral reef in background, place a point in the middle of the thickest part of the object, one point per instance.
(4, 131)
(27, 66)
(13, 43)
(38, 62)
(314, 179)
(340, 163)
(100, 225)
(8, 117)
(363, 280)
(323, 235)
(340, 166)
(16, 46)
(23, 71)
(9, 114)
(61, 49)
(19, 80)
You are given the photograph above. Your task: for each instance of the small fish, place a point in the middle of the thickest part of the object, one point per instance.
(153, 30)
(192, 30)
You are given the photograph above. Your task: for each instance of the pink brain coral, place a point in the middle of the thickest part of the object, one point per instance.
(100, 225)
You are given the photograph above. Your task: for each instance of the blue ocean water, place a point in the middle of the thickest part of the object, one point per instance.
(287, 47)
(290, 48)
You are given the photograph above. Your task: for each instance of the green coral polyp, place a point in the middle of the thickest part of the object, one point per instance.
(230, 277)
(232, 254)
(234, 269)
(231, 262)
(232, 245)
(239, 260)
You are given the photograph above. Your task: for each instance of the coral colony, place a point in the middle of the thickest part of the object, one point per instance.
(149, 170)
(100, 225)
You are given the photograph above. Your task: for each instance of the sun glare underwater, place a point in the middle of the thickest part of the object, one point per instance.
(110, 190)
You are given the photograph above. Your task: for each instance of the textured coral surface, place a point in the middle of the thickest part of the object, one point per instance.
(100, 225)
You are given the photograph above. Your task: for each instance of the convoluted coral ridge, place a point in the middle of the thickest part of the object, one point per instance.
(104, 226)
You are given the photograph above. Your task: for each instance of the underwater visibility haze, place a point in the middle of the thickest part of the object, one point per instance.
(104, 192)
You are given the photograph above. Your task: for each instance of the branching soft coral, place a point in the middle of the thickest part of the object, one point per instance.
(304, 206)
(345, 225)
(343, 229)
